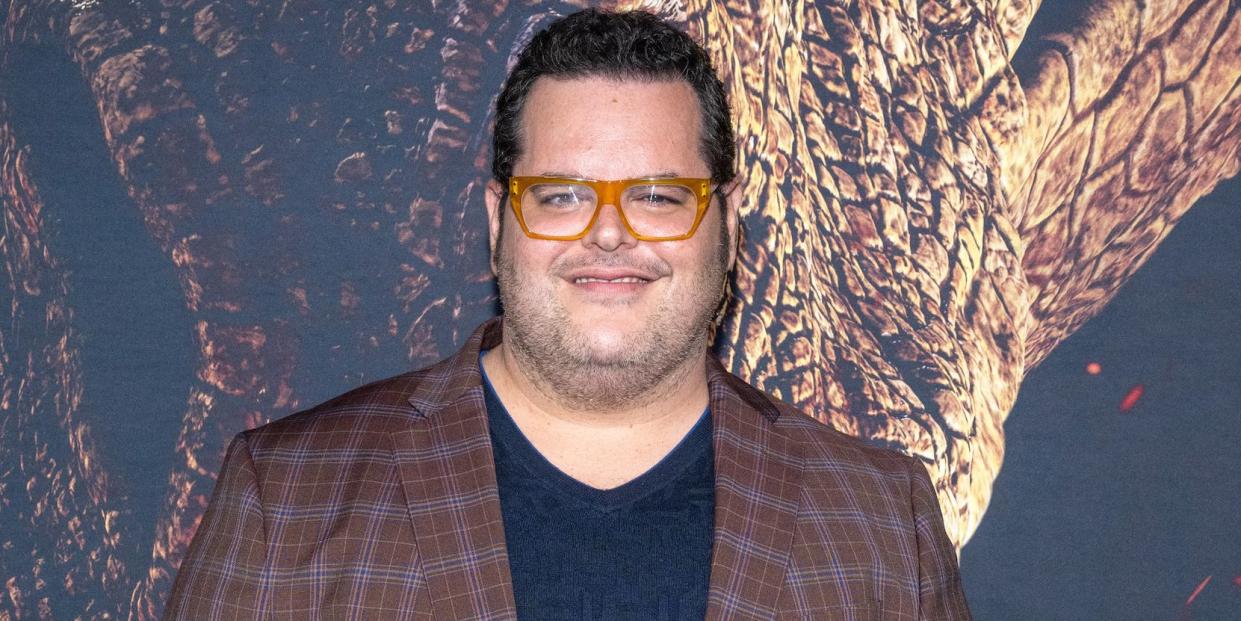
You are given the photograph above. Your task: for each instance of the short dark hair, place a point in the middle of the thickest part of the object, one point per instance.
(625, 45)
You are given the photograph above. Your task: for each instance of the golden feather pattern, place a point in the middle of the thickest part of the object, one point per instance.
(933, 201)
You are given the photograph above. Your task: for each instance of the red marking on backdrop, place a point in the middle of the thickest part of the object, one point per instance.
(1131, 397)
(1194, 595)
(1184, 616)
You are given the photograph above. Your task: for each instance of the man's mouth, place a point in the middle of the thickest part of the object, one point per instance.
(630, 279)
(610, 281)
(610, 274)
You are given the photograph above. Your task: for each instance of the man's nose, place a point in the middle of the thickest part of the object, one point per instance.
(609, 231)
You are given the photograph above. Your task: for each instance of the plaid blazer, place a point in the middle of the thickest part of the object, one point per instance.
(382, 504)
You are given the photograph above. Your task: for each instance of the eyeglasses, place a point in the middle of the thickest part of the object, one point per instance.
(564, 209)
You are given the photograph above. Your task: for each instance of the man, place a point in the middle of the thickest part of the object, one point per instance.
(584, 456)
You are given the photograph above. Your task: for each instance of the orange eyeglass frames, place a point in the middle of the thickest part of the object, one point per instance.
(651, 209)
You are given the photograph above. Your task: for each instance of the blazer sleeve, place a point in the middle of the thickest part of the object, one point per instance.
(221, 575)
(940, 593)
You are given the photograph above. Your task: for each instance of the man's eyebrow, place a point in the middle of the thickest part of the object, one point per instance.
(666, 174)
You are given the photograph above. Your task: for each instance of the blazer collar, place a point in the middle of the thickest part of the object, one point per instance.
(758, 470)
(444, 382)
(448, 475)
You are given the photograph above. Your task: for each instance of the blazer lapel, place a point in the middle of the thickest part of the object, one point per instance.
(757, 482)
(448, 475)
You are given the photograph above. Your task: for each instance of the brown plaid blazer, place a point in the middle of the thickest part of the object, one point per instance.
(382, 504)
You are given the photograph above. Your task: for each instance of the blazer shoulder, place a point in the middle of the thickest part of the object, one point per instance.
(378, 407)
(825, 447)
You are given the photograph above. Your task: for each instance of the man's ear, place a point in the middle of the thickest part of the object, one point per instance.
(494, 196)
(732, 218)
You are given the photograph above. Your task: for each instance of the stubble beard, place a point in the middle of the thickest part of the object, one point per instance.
(563, 363)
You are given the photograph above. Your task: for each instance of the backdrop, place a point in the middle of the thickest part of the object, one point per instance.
(219, 213)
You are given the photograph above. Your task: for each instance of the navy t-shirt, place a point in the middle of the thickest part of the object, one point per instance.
(638, 551)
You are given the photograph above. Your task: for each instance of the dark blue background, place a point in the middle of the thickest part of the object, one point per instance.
(1103, 514)
(1096, 514)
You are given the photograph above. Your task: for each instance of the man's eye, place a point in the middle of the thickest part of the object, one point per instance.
(660, 198)
(559, 198)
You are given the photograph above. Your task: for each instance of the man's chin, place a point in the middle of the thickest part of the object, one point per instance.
(612, 349)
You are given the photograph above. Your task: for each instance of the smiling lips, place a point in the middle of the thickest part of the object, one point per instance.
(610, 280)
(586, 279)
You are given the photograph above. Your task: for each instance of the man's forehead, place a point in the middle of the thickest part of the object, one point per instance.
(605, 127)
(592, 89)
(577, 174)
(588, 109)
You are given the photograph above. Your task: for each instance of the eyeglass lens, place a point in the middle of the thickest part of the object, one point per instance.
(655, 210)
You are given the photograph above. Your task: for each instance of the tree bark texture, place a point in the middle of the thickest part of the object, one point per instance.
(937, 193)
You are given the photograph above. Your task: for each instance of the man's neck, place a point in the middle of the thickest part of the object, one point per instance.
(601, 449)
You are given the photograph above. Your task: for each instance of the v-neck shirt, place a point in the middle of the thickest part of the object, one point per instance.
(641, 550)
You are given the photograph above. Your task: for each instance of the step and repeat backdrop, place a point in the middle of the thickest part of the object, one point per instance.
(1000, 236)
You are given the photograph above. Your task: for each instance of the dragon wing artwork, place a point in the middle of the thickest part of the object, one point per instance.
(937, 193)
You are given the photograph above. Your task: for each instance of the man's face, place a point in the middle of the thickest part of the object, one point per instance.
(618, 336)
